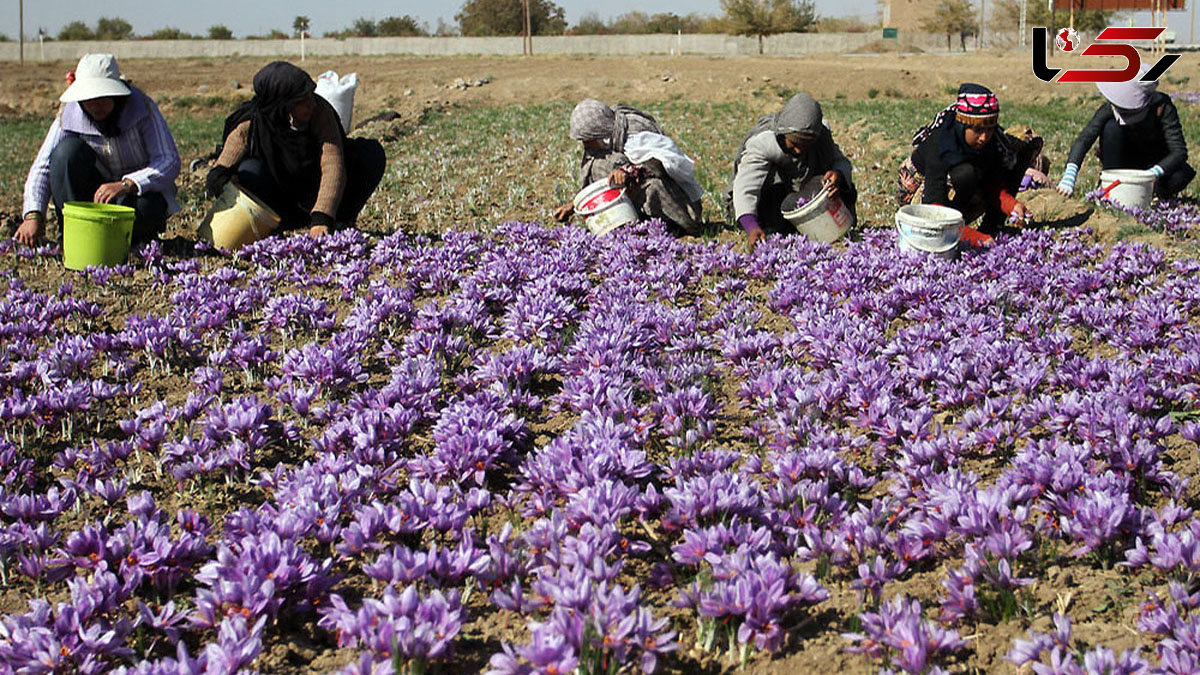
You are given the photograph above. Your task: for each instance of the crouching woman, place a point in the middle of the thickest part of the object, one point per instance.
(109, 144)
(779, 155)
(626, 147)
(963, 160)
(286, 147)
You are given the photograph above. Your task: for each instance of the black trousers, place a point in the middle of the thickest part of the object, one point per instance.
(971, 199)
(365, 163)
(75, 178)
(1120, 150)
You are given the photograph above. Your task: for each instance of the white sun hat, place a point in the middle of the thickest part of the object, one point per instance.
(96, 76)
(1129, 95)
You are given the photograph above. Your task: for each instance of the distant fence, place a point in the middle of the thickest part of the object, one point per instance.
(787, 44)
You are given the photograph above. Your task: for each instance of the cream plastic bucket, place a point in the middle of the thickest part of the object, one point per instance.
(604, 207)
(929, 228)
(237, 218)
(1136, 186)
(822, 218)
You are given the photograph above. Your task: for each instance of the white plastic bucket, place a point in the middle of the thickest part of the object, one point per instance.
(1135, 186)
(823, 218)
(928, 228)
(604, 207)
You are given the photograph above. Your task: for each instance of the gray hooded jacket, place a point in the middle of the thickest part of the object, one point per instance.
(761, 160)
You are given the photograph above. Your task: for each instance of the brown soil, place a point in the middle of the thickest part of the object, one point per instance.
(409, 84)
(1104, 602)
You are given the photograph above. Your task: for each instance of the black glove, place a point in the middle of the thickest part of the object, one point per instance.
(217, 177)
(320, 218)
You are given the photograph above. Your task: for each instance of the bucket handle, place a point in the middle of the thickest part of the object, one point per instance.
(1105, 191)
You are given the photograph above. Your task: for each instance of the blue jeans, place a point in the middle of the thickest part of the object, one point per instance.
(365, 163)
(75, 178)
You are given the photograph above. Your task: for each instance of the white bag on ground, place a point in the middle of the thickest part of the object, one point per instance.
(339, 93)
(647, 145)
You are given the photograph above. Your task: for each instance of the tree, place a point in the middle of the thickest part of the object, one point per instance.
(506, 17)
(400, 26)
(951, 17)
(113, 28)
(300, 25)
(170, 33)
(1008, 15)
(76, 30)
(767, 17)
(219, 32)
(277, 34)
(590, 24)
(362, 28)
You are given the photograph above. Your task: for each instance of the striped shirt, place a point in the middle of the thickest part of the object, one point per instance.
(144, 151)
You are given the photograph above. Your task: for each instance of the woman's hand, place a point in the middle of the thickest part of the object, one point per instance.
(831, 180)
(318, 231)
(563, 213)
(31, 230)
(108, 193)
(754, 236)
(1021, 214)
(617, 178)
(216, 179)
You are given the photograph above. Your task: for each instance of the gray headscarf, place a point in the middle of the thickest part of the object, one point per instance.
(801, 114)
(592, 120)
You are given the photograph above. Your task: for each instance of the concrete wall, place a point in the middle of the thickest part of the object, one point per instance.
(708, 44)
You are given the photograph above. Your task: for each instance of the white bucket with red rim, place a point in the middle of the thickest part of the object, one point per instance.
(604, 208)
(823, 218)
(1128, 187)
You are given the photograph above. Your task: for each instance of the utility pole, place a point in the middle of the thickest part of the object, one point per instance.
(982, 21)
(527, 43)
(22, 31)
(1022, 23)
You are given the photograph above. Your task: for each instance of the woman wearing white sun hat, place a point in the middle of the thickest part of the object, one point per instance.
(108, 144)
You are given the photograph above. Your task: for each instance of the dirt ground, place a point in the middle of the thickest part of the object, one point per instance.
(412, 85)
(407, 84)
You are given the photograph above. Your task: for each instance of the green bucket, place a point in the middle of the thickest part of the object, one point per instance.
(95, 234)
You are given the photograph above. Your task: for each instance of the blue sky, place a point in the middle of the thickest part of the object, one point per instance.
(251, 18)
(256, 18)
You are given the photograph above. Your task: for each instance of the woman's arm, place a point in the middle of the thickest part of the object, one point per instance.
(37, 183)
(1089, 134)
(1177, 152)
(928, 161)
(328, 131)
(163, 165)
(753, 171)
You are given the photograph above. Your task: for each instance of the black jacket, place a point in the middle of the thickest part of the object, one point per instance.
(1159, 130)
(928, 160)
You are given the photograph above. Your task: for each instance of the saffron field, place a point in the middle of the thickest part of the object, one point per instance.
(462, 439)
